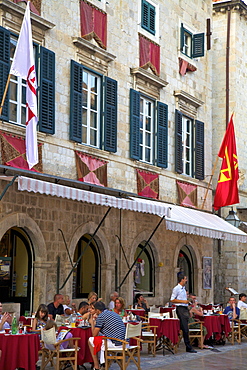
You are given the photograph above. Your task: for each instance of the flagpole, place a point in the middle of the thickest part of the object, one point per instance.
(211, 176)
(4, 94)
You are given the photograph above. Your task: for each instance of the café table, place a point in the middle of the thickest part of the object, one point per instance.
(216, 325)
(84, 354)
(136, 311)
(27, 320)
(19, 351)
(167, 309)
(168, 332)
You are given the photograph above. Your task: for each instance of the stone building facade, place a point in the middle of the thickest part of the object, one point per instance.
(134, 95)
(229, 259)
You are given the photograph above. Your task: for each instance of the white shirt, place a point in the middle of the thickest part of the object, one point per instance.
(111, 305)
(241, 304)
(179, 292)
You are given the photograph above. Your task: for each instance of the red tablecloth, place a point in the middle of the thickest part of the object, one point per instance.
(19, 351)
(138, 312)
(84, 354)
(169, 328)
(216, 325)
(26, 320)
(167, 309)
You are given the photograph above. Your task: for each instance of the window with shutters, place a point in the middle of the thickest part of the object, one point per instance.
(148, 16)
(93, 108)
(189, 146)
(192, 45)
(148, 129)
(14, 110)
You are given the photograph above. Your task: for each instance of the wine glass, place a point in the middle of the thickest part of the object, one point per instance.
(20, 326)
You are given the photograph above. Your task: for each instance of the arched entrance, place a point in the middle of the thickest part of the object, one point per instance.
(185, 265)
(144, 270)
(86, 277)
(16, 275)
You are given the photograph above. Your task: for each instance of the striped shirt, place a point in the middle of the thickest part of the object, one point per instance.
(111, 325)
(179, 292)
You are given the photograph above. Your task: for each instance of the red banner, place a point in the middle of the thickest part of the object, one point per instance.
(91, 170)
(187, 194)
(227, 187)
(149, 55)
(13, 152)
(147, 184)
(93, 24)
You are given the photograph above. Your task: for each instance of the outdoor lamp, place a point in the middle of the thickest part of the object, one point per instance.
(233, 219)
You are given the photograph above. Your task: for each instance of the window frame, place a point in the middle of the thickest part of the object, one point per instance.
(146, 24)
(89, 110)
(144, 132)
(187, 134)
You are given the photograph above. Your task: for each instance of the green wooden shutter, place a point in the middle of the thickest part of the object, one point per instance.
(4, 69)
(198, 45)
(178, 142)
(199, 150)
(110, 115)
(148, 17)
(134, 124)
(162, 134)
(182, 37)
(47, 91)
(76, 78)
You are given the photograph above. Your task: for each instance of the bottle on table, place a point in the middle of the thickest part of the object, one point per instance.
(14, 328)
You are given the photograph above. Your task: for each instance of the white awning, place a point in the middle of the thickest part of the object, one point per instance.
(48, 188)
(181, 219)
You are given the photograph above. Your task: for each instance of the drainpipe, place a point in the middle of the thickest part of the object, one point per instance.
(228, 63)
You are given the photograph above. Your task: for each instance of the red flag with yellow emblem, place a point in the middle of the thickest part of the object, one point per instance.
(227, 187)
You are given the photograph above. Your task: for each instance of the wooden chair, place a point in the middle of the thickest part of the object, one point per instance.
(48, 338)
(123, 354)
(149, 336)
(196, 333)
(235, 333)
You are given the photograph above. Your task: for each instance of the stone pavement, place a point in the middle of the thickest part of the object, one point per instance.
(228, 357)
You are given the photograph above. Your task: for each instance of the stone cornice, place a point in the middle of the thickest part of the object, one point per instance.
(149, 77)
(180, 94)
(224, 6)
(93, 49)
(16, 9)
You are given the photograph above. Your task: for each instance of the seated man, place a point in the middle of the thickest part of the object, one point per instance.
(56, 307)
(83, 310)
(241, 302)
(109, 324)
(113, 297)
(141, 302)
(232, 311)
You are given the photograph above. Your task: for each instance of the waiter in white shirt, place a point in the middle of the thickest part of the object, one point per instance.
(179, 298)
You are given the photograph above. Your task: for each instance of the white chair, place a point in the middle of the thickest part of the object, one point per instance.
(154, 315)
(51, 349)
(166, 315)
(174, 314)
(149, 336)
(123, 354)
(154, 309)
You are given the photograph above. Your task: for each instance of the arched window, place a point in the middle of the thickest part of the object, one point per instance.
(144, 270)
(86, 277)
(16, 268)
(186, 266)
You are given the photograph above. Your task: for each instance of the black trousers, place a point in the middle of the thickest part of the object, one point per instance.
(183, 315)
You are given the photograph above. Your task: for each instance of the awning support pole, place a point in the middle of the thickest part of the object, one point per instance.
(7, 186)
(67, 249)
(123, 251)
(84, 250)
(145, 246)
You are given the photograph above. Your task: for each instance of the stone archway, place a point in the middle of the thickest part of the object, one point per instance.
(39, 251)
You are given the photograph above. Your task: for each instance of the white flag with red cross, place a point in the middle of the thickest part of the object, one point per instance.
(23, 66)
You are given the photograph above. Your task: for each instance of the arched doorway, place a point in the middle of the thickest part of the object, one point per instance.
(185, 265)
(16, 275)
(144, 270)
(86, 277)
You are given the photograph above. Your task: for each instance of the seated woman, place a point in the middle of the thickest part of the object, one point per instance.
(63, 334)
(66, 306)
(196, 311)
(41, 317)
(119, 307)
(5, 319)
